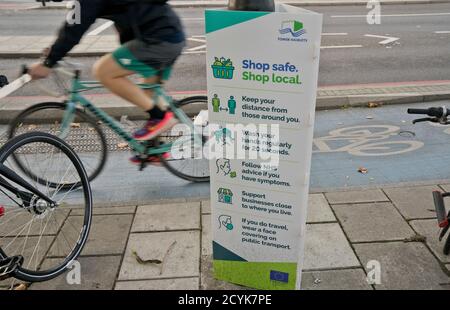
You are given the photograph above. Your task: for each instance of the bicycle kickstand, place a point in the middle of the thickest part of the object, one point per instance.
(8, 266)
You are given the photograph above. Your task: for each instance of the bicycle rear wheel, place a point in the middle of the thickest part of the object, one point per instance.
(188, 160)
(49, 237)
(85, 136)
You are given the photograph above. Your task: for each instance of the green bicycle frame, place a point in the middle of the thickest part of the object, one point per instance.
(75, 98)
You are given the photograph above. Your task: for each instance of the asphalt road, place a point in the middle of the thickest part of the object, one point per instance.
(420, 53)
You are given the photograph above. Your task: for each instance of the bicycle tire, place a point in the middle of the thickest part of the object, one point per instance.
(39, 137)
(21, 118)
(168, 164)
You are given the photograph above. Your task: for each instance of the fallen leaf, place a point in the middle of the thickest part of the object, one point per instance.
(415, 238)
(373, 105)
(75, 125)
(20, 287)
(32, 127)
(169, 250)
(145, 261)
(122, 145)
(362, 170)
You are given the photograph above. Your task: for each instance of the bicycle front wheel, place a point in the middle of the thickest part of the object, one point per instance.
(188, 159)
(48, 237)
(85, 137)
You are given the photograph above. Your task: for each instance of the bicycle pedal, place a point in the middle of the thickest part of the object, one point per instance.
(8, 266)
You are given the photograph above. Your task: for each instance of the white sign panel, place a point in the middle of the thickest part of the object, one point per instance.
(262, 70)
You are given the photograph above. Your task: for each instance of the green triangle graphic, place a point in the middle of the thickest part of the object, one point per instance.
(297, 26)
(216, 20)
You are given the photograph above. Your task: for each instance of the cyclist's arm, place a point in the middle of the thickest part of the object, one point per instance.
(70, 35)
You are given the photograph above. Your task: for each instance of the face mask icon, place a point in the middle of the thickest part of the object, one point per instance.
(225, 222)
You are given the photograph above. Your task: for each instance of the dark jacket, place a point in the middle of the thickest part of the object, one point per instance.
(148, 22)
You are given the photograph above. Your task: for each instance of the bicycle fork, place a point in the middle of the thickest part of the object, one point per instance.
(68, 117)
(9, 265)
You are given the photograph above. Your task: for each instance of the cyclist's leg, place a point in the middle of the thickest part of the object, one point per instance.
(115, 78)
(149, 60)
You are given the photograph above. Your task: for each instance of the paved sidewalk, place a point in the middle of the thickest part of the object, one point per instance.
(345, 231)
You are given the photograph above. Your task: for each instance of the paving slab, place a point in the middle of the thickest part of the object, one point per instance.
(20, 223)
(26, 246)
(319, 210)
(108, 235)
(207, 280)
(107, 210)
(15, 246)
(206, 235)
(178, 250)
(160, 284)
(206, 206)
(413, 202)
(361, 196)
(430, 230)
(372, 222)
(166, 217)
(405, 266)
(97, 273)
(326, 248)
(349, 279)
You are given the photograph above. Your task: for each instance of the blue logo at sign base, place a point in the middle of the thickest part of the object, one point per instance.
(279, 276)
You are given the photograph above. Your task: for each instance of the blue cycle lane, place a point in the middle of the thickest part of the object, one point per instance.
(381, 140)
(383, 143)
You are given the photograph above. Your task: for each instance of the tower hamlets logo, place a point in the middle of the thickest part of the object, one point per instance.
(292, 30)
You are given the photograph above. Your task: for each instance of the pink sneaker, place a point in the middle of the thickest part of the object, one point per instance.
(155, 127)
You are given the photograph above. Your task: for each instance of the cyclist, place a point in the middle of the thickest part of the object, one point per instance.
(152, 39)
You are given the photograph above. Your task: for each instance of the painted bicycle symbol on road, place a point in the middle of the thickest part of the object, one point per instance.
(368, 140)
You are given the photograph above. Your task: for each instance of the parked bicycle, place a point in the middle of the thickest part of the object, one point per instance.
(78, 122)
(40, 236)
(438, 115)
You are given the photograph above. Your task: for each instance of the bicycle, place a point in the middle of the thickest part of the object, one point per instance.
(85, 117)
(40, 236)
(438, 115)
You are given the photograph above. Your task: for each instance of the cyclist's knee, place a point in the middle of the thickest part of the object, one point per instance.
(98, 71)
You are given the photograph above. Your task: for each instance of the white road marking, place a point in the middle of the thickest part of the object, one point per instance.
(101, 28)
(441, 32)
(201, 49)
(386, 40)
(193, 18)
(392, 15)
(340, 46)
(197, 49)
(192, 53)
(334, 33)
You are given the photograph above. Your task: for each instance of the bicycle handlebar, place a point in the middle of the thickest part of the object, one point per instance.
(433, 111)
